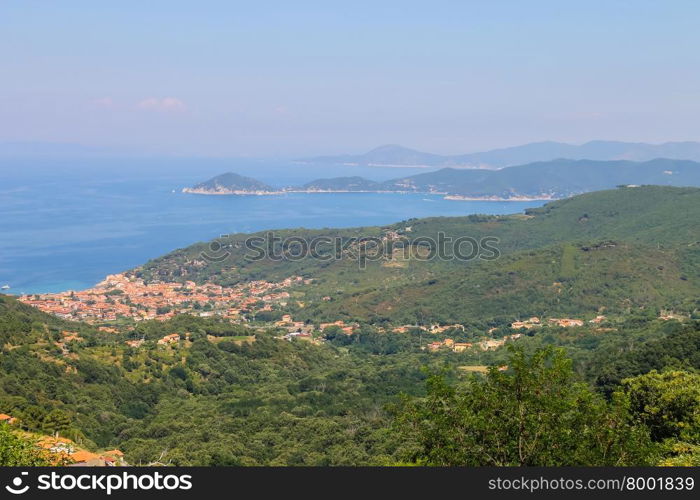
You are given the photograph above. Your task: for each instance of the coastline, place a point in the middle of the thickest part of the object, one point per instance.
(446, 196)
(457, 197)
(228, 192)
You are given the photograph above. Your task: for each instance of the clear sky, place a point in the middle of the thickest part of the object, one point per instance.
(257, 78)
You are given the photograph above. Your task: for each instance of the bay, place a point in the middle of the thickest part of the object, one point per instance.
(67, 223)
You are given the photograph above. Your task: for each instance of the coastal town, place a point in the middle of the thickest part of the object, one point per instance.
(121, 296)
(124, 297)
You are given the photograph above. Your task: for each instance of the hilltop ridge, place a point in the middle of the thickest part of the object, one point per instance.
(628, 229)
(394, 155)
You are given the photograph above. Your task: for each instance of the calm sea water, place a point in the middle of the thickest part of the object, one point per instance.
(65, 224)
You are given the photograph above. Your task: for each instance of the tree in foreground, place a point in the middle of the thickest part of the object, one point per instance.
(16, 451)
(668, 403)
(533, 414)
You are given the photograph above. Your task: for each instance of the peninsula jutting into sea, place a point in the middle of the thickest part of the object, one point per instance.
(547, 180)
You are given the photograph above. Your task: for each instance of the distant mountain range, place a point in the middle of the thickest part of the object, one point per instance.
(393, 155)
(399, 156)
(539, 180)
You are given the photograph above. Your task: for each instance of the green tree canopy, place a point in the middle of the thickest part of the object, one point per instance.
(532, 414)
(16, 451)
(668, 403)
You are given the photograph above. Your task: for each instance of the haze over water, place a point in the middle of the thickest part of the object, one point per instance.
(67, 224)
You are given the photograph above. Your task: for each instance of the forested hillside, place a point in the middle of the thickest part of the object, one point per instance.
(220, 398)
(618, 250)
(586, 318)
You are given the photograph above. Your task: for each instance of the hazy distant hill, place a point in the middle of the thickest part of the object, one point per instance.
(230, 183)
(551, 179)
(527, 153)
(555, 179)
(540, 180)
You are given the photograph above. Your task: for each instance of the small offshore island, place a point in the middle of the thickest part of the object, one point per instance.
(547, 180)
(230, 183)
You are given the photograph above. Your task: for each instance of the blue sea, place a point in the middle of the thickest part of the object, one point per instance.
(67, 223)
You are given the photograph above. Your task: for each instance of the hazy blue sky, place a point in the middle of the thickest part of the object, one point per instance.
(294, 78)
